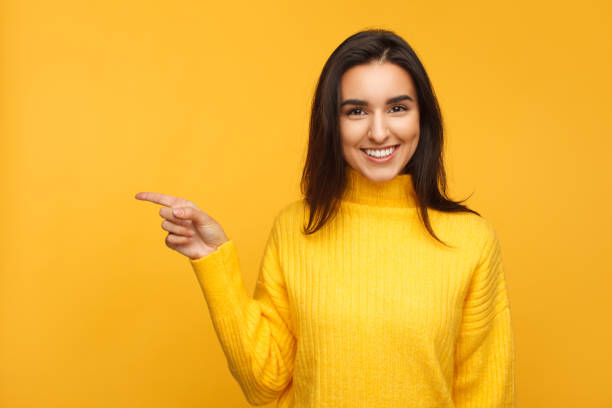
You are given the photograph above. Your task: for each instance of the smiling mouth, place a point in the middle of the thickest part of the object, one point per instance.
(394, 147)
(378, 148)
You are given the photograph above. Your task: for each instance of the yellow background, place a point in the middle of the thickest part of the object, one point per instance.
(210, 101)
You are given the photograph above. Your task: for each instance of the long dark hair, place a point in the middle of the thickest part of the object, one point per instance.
(323, 177)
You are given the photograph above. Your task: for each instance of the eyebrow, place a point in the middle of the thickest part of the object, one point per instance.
(365, 103)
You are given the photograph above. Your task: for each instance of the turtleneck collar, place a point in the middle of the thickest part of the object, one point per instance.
(397, 192)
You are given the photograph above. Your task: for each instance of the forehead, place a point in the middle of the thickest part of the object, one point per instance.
(374, 80)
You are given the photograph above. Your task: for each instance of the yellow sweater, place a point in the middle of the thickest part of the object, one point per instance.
(369, 311)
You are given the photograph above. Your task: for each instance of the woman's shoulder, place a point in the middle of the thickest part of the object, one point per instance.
(293, 207)
(477, 224)
(290, 213)
(465, 227)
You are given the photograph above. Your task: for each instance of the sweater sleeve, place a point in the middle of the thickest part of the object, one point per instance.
(485, 354)
(256, 333)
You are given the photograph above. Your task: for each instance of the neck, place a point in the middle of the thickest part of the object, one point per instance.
(397, 192)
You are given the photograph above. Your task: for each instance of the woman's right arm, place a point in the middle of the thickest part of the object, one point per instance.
(256, 334)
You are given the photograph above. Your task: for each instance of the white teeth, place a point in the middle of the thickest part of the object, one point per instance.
(380, 153)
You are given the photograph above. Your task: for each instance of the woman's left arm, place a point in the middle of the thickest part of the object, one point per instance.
(484, 353)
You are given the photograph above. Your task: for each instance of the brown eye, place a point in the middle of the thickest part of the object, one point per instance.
(352, 110)
(399, 106)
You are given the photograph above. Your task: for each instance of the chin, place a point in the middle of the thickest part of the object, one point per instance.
(384, 173)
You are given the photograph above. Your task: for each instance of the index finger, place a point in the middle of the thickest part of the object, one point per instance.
(162, 199)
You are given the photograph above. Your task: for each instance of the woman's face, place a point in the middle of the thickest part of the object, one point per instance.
(379, 111)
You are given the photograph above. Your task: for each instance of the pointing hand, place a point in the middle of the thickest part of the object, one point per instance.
(191, 231)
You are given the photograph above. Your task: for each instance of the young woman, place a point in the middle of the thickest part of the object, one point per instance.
(375, 290)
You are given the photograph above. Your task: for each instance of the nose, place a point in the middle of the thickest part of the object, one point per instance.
(378, 131)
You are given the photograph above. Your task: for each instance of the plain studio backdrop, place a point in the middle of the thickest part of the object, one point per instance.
(210, 102)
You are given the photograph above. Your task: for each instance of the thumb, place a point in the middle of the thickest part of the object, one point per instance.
(189, 213)
(209, 230)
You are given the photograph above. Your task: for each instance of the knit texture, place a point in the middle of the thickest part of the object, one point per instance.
(369, 311)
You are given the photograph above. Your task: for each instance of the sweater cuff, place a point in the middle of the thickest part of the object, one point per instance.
(220, 278)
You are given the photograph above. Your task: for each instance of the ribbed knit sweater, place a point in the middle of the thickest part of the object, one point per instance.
(369, 311)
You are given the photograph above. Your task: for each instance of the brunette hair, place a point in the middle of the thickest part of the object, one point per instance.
(323, 177)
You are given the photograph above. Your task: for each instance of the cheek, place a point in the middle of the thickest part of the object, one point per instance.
(351, 132)
(407, 129)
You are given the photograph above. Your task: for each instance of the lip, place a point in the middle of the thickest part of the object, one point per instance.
(383, 160)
